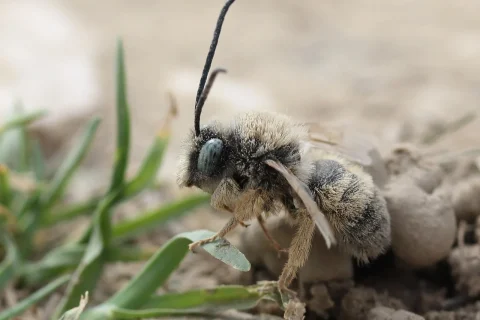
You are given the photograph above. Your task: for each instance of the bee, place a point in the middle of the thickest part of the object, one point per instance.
(265, 162)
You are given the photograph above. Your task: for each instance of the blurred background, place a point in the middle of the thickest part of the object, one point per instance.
(392, 68)
(401, 71)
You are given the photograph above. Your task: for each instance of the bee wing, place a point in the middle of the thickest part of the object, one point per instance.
(354, 146)
(302, 191)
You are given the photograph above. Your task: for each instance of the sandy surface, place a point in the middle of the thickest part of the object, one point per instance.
(392, 68)
(372, 64)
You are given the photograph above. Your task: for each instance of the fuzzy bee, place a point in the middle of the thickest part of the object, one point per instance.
(263, 163)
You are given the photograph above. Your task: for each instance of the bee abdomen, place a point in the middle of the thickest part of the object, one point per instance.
(368, 235)
(354, 207)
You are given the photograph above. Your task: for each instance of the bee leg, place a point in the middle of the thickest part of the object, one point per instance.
(274, 243)
(231, 224)
(298, 252)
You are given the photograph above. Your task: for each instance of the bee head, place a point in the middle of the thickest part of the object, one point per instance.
(204, 158)
(205, 150)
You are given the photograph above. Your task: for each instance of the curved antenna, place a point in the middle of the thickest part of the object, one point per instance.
(204, 96)
(208, 62)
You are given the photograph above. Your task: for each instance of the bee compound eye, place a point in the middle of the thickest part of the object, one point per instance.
(209, 156)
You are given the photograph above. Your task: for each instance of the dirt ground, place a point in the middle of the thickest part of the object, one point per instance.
(398, 70)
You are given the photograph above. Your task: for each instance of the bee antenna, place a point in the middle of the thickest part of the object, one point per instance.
(203, 97)
(201, 87)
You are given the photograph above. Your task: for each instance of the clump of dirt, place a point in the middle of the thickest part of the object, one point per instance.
(406, 160)
(469, 312)
(466, 201)
(465, 262)
(358, 302)
(423, 225)
(384, 313)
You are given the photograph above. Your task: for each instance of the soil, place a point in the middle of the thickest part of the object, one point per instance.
(399, 71)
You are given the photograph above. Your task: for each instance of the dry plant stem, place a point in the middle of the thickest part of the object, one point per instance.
(231, 224)
(274, 243)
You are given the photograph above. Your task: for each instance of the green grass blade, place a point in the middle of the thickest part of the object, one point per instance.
(89, 271)
(9, 264)
(126, 254)
(165, 261)
(5, 190)
(22, 164)
(216, 299)
(28, 222)
(148, 171)
(153, 218)
(68, 167)
(120, 313)
(22, 121)
(67, 258)
(206, 303)
(69, 212)
(123, 122)
(34, 298)
(37, 161)
(57, 261)
(153, 275)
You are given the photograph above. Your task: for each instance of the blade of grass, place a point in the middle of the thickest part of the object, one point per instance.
(21, 121)
(153, 218)
(148, 171)
(34, 298)
(22, 204)
(149, 168)
(28, 223)
(24, 150)
(153, 275)
(217, 299)
(5, 190)
(123, 132)
(205, 303)
(164, 262)
(8, 221)
(124, 314)
(126, 254)
(67, 258)
(123, 122)
(37, 161)
(89, 271)
(68, 167)
(120, 313)
(57, 261)
(9, 264)
(69, 212)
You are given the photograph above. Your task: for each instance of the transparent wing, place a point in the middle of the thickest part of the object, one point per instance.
(352, 145)
(301, 189)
